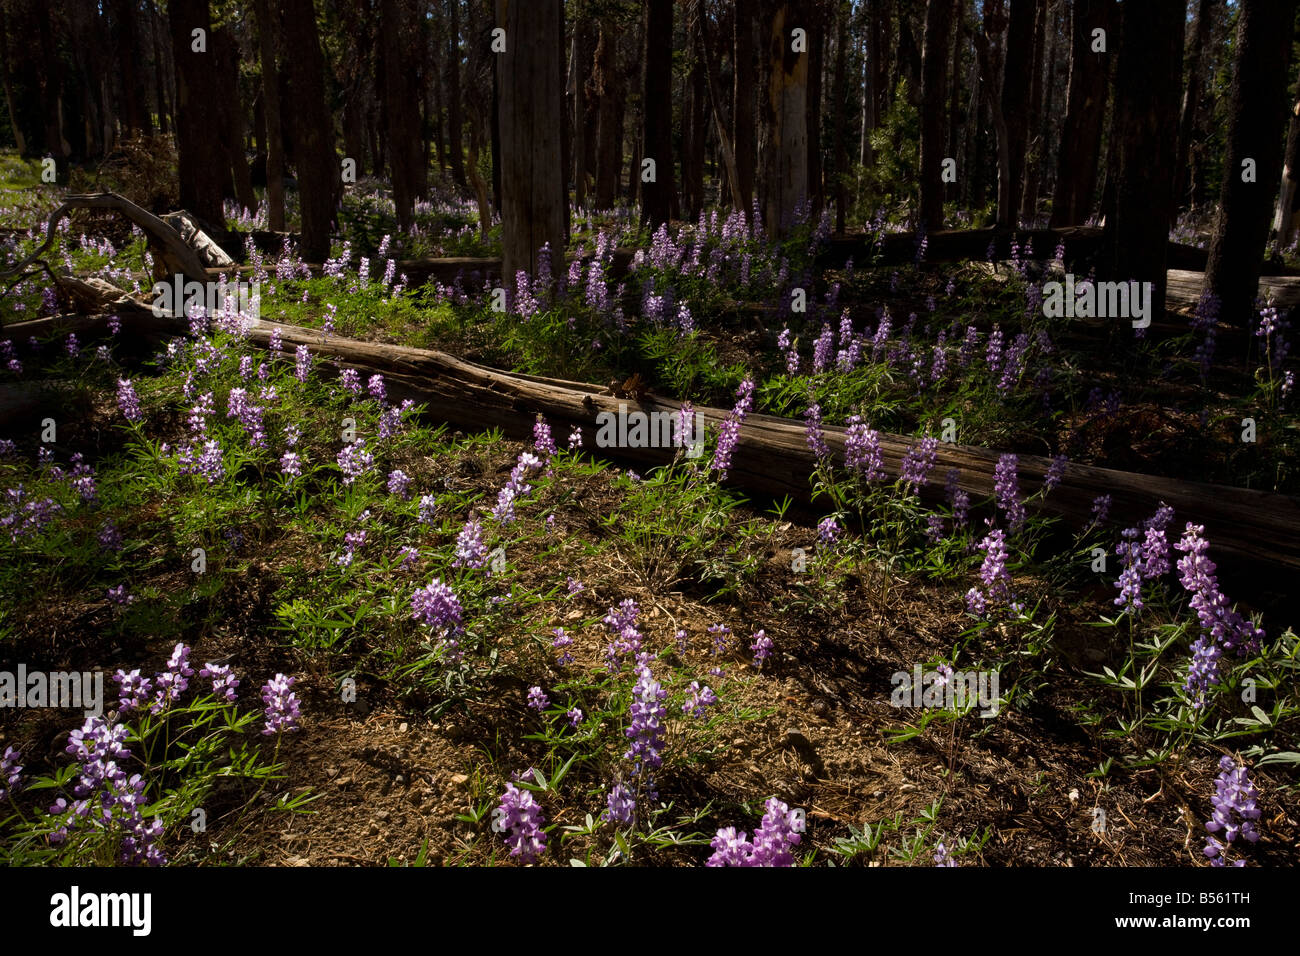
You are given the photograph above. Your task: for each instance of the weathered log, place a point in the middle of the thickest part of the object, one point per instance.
(174, 253)
(1255, 528)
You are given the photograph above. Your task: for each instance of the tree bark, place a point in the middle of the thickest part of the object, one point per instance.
(313, 128)
(1258, 110)
(609, 131)
(658, 198)
(198, 112)
(454, 122)
(1197, 43)
(1144, 133)
(531, 99)
(934, 90)
(268, 37)
(134, 114)
(1033, 120)
(783, 111)
(1076, 174)
(742, 103)
(401, 108)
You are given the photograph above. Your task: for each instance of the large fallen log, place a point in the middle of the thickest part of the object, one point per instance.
(1256, 528)
(173, 254)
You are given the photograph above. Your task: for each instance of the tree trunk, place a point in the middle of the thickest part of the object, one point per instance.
(816, 27)
(268, 35)
(695, 118)
(659, 197)
(840, 110)
(1144, 132)
(225, 77)
(1033, 143)
(160, 87)
(1016, 91)
(401, 108)
(742, 103)
(934, 89)
(1258, 109)
(313, 128)
(579, 58)
(783, 111)
(531, 99)
(134, 114)
(454, 121)
(1284, 220)
(1199, 40)
(198, 113)
(609, 131)
(1076, 172)
(990, 57)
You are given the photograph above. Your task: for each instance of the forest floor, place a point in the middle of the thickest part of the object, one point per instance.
(415, 709)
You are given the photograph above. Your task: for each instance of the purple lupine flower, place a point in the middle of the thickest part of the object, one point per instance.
(350, 379)
(520, 817)
(471, 550)
(438, 606)
(119, 596)
(127, 401)
(398, 482)
(428, 507)
(223, 680)
(993, 574)
(862, 450)
(574, 716)
(377, 388)
(815, 436)
(1100, 509)
(134, 690)
(1155, 553)
(250, 416)
(562, 641)
(290, 466)
(762, 647)
(828, 531)
(354, 461)
(698, 698)
(1225, 625)
(1203, 671)
(942, 857)
(173, 681)
(11, 772)
(282, 708)
(542, 439)
(1007, 487)
(1055, 472)
(646, 729)
(1235, 811)
(572, 585)
(779, 831)
(620, 805)
(537, 699)
(302, 363)
(822, 348)
(917, 462)
(729, 430)
(575, 439)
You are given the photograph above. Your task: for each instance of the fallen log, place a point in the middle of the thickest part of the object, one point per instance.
(1257, 528)
(173, 253)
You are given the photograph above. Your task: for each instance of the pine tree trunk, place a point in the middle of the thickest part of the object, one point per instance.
(1258, 110)
(1148, 85)
(198, 113)
(313, 128)
(658, 198)
(531, 100)
(742, 102)
(934, 89)
(1200, 39)
(268, 34)
(783, 114)
(454, 121)
(609, 130)
(1076, 173)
